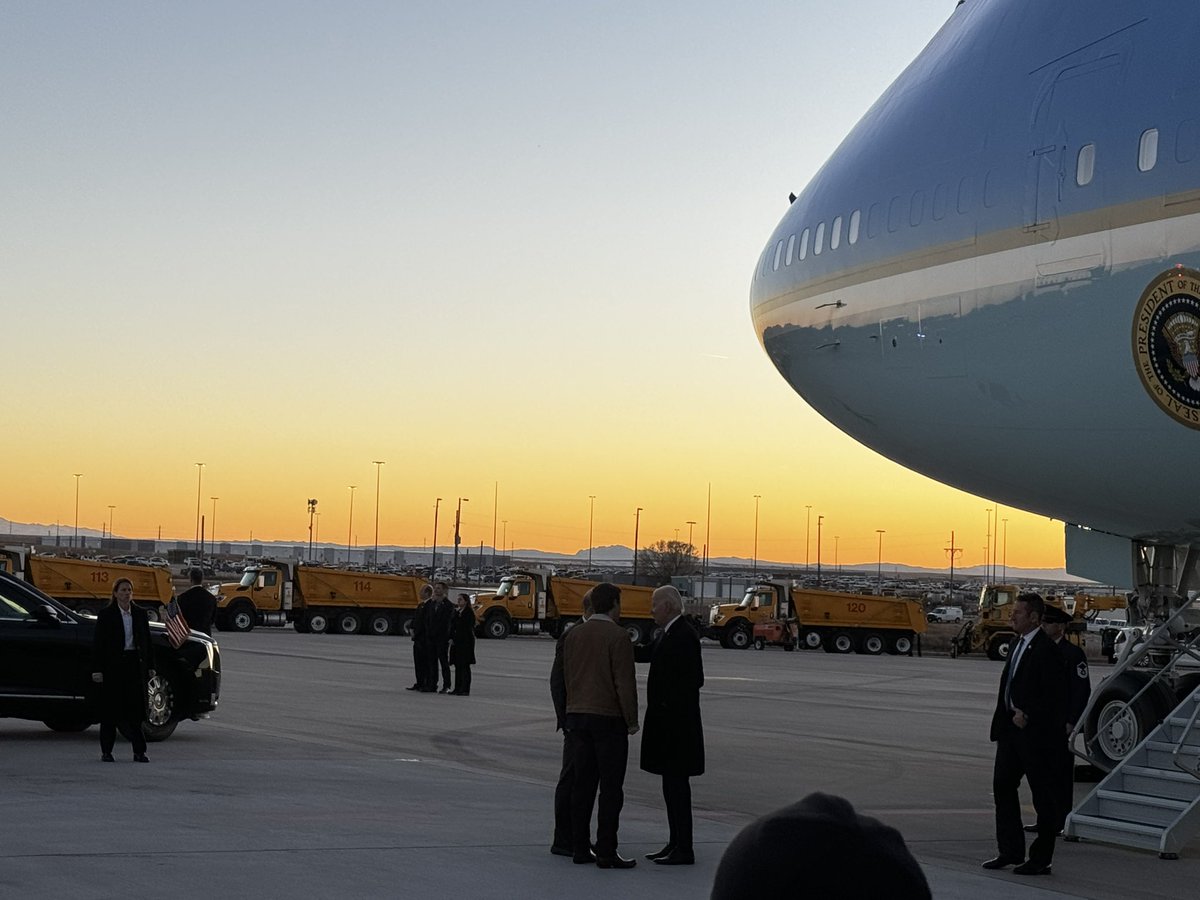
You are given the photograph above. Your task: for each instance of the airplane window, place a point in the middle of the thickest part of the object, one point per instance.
(965, 189)
(778, 253)
(1148, 150)
(1085, 164)
(803, 251)
(1187, 141)
(894, 209)
(939, 202)
(790, 247)
(854, 219)
(916, 209)
(835, 233)
(874, 217)
(819, 240)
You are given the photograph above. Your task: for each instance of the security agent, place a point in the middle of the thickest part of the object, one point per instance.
(1079, 689)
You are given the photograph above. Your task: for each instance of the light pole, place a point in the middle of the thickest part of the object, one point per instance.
(433, 557)
(1004, 558)
(987, 549)
(591, 519)
(504, 536)
(110, 518)
(75, 540)
(637, 523)
(375, 558)
(757, 497)
(457, 537)
(820, 519)
(495, 513)
(807, 532)
(312, 512)
(199, 478)
(836, 567)
(690, 523)
(350, 527)
(879, 564)
(213, 533)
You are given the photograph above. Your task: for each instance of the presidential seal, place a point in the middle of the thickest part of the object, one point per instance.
(1166, 343)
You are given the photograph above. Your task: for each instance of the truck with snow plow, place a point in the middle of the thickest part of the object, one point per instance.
(834, 621)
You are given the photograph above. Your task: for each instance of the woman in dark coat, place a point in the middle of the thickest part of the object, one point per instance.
(462, 644)
(120, 664)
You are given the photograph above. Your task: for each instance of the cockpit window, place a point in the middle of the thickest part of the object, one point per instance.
(819, 240)
(803, 251)
(1085, 164)
(778, 254)
(1148, 150)
(855, 218)
(835, 233)
(791, 247)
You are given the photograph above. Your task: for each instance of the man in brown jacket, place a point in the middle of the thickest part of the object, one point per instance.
(601, 714)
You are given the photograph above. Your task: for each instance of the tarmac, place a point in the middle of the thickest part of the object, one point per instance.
(319, 776)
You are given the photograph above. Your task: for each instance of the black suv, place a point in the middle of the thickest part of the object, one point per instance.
(46, 666)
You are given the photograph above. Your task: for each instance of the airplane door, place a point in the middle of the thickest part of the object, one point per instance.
(1044, 191)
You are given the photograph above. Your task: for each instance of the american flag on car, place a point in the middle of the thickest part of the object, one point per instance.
(177, 626)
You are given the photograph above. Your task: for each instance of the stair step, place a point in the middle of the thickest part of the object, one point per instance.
(1176, 726)
(1115, 831)
(1135, 808)
(1170, 783)
(1160, 754)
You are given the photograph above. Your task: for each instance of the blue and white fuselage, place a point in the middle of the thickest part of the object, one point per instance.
(990, 281)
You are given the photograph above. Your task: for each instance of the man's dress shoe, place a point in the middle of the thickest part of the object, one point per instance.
(1032, 868)
(616, 861)
(677, 858)
(583, 858)
(658, 854)
(1001, 861)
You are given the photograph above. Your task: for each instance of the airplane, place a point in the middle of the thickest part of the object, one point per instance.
(995, 278)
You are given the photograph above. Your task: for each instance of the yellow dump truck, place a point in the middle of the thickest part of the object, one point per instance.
(991, 632)
(834, 621)
(86, 585)
(533, 601)
(318, 600)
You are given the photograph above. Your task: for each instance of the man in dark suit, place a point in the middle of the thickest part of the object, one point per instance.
(121, 665)
(601, 714)
(420, 641)
(198, 604)
(1079, 689)
(563, 844)
(1027, 727)
(672, 734)
(441, 623)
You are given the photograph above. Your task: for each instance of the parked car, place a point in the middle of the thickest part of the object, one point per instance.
(46, 667)
(945, 614)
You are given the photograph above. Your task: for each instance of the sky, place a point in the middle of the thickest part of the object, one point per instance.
(504, 248)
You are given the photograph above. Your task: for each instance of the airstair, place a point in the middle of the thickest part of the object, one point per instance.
(1151, 799)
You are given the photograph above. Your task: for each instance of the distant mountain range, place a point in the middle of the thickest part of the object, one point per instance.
(609, 555)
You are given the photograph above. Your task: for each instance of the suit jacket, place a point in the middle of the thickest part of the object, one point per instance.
(1079, 681)
(108, 647)
(420, 620)
(441, 620)
(1039, 689)
(558, 685)
(462, 636)
(598, 670)
(199, 607)
(672, 735)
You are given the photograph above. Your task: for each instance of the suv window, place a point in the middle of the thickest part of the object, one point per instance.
(12, 609)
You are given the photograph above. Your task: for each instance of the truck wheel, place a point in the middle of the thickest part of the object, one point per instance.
(404, 626)
(241, 617)
(790, 645)
(379, 623)
(739, 636)
(497, 627)
(349, 623)
(1116, 726)
(811, 640)
(317, 622)
(840, 642)
(300, 623)
(872, 644)
(67, 724)
(998, 647)
(160, 713)
(759, 644)
(900, 645)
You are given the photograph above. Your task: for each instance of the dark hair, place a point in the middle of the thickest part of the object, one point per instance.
(1035, 603)
(196, 575)
(604, 597)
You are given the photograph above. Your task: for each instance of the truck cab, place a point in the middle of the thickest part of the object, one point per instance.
(733, 623)
(263, 596)
(520, 605)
